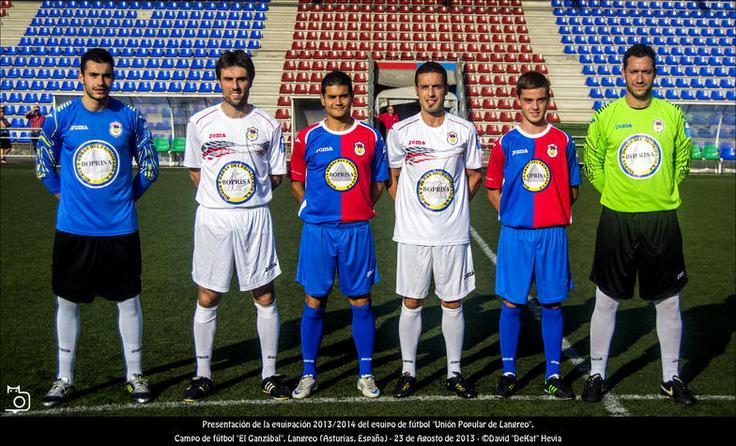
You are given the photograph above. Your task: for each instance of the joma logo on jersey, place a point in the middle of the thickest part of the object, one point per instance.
(78, 127)
(417, 142)
(623, 126)
(324, 149)
(217, 135)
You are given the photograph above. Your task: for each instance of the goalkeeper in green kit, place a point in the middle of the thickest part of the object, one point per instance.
(637, 152)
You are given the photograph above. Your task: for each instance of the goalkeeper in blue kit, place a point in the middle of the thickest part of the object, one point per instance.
(97, 249)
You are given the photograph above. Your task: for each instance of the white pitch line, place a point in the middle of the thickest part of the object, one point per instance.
(325, 400)
(610, 402)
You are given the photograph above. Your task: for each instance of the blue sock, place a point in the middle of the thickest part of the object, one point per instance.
(509, 327)
(552, 336)
(364, 332)
(313, 324)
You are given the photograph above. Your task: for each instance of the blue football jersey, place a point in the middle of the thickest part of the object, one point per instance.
(95, 151)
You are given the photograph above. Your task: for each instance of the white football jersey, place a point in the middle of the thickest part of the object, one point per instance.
(432, 199)
(236, 157)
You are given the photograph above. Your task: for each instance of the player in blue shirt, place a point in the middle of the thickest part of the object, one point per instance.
(97, 246)
(532, 179)
(338, 169)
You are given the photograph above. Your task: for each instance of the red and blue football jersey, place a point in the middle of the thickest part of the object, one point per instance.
(337, 169)
(535, 174)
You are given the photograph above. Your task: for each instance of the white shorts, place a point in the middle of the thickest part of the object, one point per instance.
(452, 265)
(243, 235)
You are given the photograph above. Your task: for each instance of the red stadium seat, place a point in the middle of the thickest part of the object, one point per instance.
(472, 91)
(359, 101)
(360, 78)
(552, 105)
(489, 104)
(484, 68)
(500, 80)
(474, 103)
(506, 117)
(302, 76)
(480, 129)
(286, 89)
(360, 89)
(492, 129)
(486, 92)
(360, 115)
(318, 65)
(346, 66)
(490, 116)
(287, 76)
(282, 113)
(537, 58)
(314, 89)
(476, 116)
(332, 65)
(553, 117)
(316, 77)
(503, 104)
(289, 65)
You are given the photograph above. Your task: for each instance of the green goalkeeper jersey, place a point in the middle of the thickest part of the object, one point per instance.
(637, 158)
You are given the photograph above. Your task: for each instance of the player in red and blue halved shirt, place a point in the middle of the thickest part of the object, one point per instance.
(338, 169)
(532, 180)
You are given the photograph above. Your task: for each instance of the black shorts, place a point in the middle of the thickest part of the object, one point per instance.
(89, 266)
(647, 243)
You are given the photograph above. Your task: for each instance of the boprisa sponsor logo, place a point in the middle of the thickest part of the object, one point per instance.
(436, 190)
(639, 156)
(535, 176)
(236, 182)
(96, 164)
(341, 174)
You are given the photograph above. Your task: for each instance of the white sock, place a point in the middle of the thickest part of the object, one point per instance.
(130, 324)
(205, 323)
(410, 329)
(669, 332)
(453, 329)
(67, 333)
(602, 325)
(267, 323)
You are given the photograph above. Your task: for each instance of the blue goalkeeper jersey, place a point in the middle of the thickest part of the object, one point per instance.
(96, 181)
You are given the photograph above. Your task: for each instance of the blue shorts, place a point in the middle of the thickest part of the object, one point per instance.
(526, 255)
(347, 247)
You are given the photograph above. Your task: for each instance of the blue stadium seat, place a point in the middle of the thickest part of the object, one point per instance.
(159, 87)
(205, 87)
(190, 87)
(143, 86)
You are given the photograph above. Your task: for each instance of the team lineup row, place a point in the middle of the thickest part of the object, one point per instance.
(637, 153)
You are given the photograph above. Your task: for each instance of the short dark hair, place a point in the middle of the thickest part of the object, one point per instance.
(430, 67)
(531, 80)
(336, 78)
(237, 58)
(99, 55)
(641, 50)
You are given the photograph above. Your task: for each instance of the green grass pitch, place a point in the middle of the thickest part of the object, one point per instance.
(28, 344)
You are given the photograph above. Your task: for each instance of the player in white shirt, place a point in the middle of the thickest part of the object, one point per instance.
(435, 161)
(235, 155)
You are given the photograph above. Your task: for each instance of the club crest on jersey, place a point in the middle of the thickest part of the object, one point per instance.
(359, 148)
(341, 174)
(436, 190)
(639, 156)
(452, 138)
(236, 182)
(658, 125)
(96, 164)
(536, 176)
(252, 134)
(552, 150)
(116, 129)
